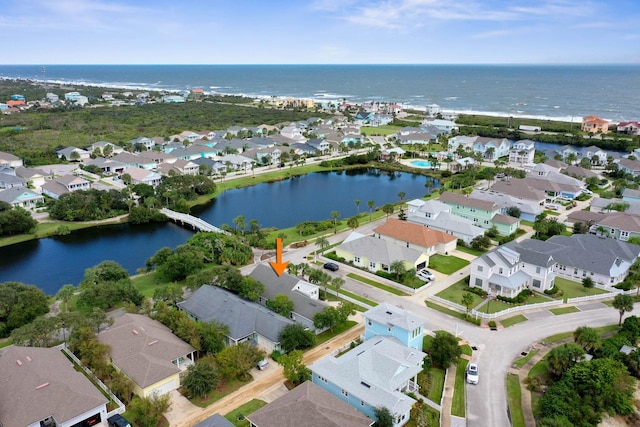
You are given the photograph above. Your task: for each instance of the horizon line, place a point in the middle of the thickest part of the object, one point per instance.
(341, 64)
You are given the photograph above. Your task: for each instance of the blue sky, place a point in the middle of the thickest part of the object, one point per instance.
(319, 31)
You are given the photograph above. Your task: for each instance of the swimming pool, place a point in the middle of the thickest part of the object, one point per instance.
(421, 163)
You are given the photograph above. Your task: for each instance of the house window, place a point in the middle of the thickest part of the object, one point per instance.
(500, 270)
(563, 268)
(475, 219)
(486, 221)
(537, 283)
(472, 209)
(372, 265)
(584, 273)
(362, 403)
(575, 271)
(369, 322)
(624, 235)
(356, 259)
(537, 270)
(345, 393)
(479, 282)
(480, 268)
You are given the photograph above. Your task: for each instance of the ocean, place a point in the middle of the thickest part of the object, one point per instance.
(555, 92)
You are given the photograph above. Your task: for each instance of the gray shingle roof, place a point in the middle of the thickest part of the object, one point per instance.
(380, 250)
(241, 316)
(388, 314)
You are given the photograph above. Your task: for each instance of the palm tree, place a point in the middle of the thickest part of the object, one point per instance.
(337, 283)
(357, 202)
(622, 303)
(353, 222)
(429, 185)
(398, 268)
(293, 268)
(64, 294)
(588, 338)
(335, 215)
(371, 204)
(467, 300)
(401, 196)
(322, 243)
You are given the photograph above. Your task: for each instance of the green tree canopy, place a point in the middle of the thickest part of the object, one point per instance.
(295, 336)
(445, 349)
(19, 305)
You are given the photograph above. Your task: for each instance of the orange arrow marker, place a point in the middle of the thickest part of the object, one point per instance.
(279, 266)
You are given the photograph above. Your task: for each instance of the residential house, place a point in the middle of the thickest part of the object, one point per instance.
(594, 124)
(617, 225)
(294, 133)
(148, 143)
(422, 138)
(108, 166)
(8, 180)
(556, 184)
(491, 148)
(595, 154)
(529, 209)
(630, 128)
(444, 126)
(460, 142)
(631, 196)
(173, 98)
(630, 166)
(193, 152)
(65, 184)
(556, 164)
(236, 162)
(378, 254)
(216, 420)
(235, 146)
(392, 153)
(308, 405)
(148, 353)
(461, 164)
(522, 151)
(135, 161)
(73, 154)
(143, 176)
(566, 152)
(179, 167)
(216, 167)
(320, 145)
(40, 387)
(376, 373)
(304, 295)
(247, 321)
(437, 215)
(416, 236)
(578, 172)
(606, 261)
(52, 97)
(190, 136)
(386, 319)
(22, 197)
(158, 157)
(509, 269)
(34, 177)
(8, 159)
(99, 148)
(485, 214)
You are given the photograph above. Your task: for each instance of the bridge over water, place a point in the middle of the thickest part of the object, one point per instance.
(195, 222)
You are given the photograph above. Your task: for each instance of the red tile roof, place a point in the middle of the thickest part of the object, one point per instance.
(413, 233)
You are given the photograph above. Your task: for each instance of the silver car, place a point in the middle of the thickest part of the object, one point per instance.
(472, 373)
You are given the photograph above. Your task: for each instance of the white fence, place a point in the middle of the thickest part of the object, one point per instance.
(610, 294)
(448, 303)
(516, 309)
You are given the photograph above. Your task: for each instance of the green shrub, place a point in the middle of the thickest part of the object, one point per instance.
(553, 291)
(625, 286)
(478, 291)
(519, 299)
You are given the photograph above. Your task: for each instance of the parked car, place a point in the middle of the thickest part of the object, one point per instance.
(118, 420)
(472, 373)
(262, 365)
(551, 206)
(425, 275)
(331, 266)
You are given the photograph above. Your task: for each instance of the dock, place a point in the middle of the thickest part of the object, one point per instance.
(195, 222)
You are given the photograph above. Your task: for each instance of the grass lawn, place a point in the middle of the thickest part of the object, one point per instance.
(378, 285)
(447, 264)
(5, 342)
(515, 400)
(328, 334)
(564, 310)
(510, 321)
(355, 297)
(525, 222)
(248, 408)
(458, 405)
(379, 130)
(223, 389)
(454, 292)
(466, 349)
(436, 382)
(523, 360)
(471, 251)
(540, 369)
(495, 306)
(148, 283)
(445, 310)
(602, 330)
(571, 289)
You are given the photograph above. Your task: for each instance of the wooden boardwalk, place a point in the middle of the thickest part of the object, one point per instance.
(195, 222)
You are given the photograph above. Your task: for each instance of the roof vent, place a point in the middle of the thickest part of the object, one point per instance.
(19, 362)
(28, 358)
(134, 331)
(389, 313)
(153, 342)
(41, 386)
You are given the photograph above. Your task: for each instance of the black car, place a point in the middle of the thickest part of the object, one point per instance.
(331, 266)
(118, 420)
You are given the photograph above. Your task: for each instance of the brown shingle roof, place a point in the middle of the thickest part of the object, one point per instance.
(461, 199)
(143, 348)
(504, 219)
(24, 397)
(309, 405)
(413, 233)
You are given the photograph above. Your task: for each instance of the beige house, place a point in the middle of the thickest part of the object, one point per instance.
(147, 352)
(594, 124)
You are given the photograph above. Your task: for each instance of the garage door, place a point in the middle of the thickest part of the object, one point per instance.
(165, 388)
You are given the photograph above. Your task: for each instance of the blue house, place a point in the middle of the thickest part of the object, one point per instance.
(389, 320)
(377, 373)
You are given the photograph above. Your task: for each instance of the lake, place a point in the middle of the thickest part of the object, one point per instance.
(53, 262)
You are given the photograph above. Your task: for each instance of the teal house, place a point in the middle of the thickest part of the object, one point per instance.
(483, 213)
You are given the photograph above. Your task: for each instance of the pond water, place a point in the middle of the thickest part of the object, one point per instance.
(52, 262)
